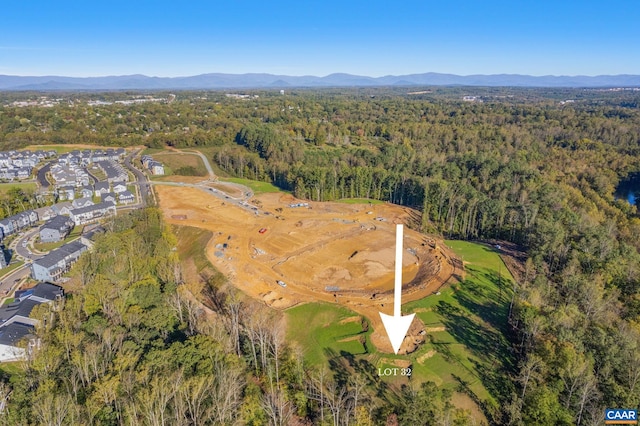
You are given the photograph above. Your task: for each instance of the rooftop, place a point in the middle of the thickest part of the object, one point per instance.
(14, 332)
(55, 256)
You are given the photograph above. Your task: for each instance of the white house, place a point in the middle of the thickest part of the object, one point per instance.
(119, 187)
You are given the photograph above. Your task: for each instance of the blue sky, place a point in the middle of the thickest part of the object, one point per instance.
(309, 37)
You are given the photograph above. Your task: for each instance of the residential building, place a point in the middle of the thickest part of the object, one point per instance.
(18, 312)
(56, 229)
(16, 342)
(42, 293)
(153, 166)
(90, 233)
(17, 339)
(126, 197)
(86, 191)
(46, 213)
(51, 266)
(82, 202)
(67, 193)
(119, 187)
(63, 208)
(26, 219)
(101, 188)
(5, 257)
(90, 214)
(8, 226)
(109, 196)
(113, 170)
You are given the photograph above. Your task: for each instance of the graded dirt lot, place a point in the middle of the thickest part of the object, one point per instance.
(332, 252)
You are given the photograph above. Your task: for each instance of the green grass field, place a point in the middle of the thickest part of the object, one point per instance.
(257, 187)
(323, 330)
(359, 201)
(5, 187)
(175, 163)
(465, 349)
(190, 246)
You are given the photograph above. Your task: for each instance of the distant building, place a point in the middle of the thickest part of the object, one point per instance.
(153, 166)
(156, 168)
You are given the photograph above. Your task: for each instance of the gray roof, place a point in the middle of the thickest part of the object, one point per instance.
(107, 195)
(47, 291)
(55, 256)
(101, 185)
(58, 222)
(93, 233)
(59, 206)
(14, 332)
(42, 290)
(84, 200)
(99, 206)
(23, 309)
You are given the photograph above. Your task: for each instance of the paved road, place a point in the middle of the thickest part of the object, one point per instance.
(205, 160)
(9, 282)
(21, 245)
(22, 252)
(42, 175)
(92, 176)
(142, 181)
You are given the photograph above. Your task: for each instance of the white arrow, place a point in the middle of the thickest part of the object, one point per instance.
(397, 325)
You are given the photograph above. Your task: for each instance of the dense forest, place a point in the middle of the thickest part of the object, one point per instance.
(521, 165)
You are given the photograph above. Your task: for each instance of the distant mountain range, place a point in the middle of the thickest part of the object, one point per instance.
(246, 81)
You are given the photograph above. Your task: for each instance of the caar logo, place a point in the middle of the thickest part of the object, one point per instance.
(620, 416)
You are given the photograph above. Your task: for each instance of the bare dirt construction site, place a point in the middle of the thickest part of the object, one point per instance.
(332, 252)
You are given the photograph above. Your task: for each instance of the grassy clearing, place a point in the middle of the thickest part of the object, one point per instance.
(191, 250)
(256, 186)
(359, 201)
(5, 187)
(466, 348)
(472, 352)
(152, 151)
(321, 331)
(181, 164)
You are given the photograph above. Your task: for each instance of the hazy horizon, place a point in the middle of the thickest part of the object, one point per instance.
(168, 39)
